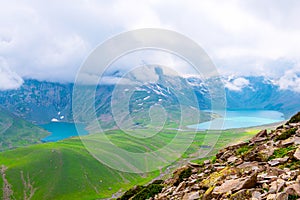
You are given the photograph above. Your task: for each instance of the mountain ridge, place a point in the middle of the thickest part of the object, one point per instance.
(40, 102)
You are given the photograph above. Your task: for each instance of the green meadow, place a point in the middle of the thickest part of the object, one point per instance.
(66, 170)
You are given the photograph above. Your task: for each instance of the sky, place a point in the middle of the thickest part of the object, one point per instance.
(49, 40)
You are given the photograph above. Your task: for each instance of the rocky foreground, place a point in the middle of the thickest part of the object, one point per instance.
(266, 167)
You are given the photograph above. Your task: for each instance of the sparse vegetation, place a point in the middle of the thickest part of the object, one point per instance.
(286, 134)
(281, 152)
(244, 149)
(295, 118)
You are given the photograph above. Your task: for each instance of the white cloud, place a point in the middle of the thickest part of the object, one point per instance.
(8, 79)
(236, 84)
(50, 39)
(290, 80)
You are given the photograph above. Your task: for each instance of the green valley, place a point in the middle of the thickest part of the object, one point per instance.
(66, 170)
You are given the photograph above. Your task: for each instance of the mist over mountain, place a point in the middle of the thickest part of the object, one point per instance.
(42, 101)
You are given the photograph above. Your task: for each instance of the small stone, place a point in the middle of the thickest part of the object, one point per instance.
(237, 184)
(256, 195)
(265, 186)
(241, 194)
(232, 159)
(206, 162)
(298, 178)
(282, 196)
(180, 187)
(280, 184)
(273, 187)
(227, 186)
(271, 197)
(195, 187)
(297, 153)
(290, 141)
(293, 189)
(278, 161)
(191, 196)
(192, 182)
(298, 132)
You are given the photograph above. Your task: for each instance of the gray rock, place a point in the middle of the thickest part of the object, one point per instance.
(278, 161)
(297, 153)
(191, 196)
(256, 195)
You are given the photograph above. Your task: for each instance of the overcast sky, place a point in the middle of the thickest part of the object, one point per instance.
(49, 40)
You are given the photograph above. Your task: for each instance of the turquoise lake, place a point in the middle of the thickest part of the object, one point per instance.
(240, 119)
(61, 130)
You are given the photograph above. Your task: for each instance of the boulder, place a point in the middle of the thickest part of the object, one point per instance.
(277, 161)
(297, 153)
(293, 189)
(237, 184)
(191, 196)
(241, 195)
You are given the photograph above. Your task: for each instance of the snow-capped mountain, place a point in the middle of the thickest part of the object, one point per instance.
(41, 101)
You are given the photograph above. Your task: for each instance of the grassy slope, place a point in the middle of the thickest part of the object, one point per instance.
(15, 132)
(65, 170)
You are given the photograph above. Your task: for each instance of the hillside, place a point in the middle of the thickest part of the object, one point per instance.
(265, 167)
(61, 170)
(16, 132)
(66, 170)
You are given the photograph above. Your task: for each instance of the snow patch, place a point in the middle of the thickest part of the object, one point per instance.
(54, 120)
(147, 97)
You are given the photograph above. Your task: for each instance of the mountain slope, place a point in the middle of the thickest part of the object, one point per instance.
(265, 167)
(16, 132)
(66, 170)
(40, 101)
(61, 170)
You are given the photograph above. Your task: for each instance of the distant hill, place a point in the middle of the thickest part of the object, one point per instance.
(16, 132)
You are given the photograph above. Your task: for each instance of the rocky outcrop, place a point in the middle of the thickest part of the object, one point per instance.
(264, 168)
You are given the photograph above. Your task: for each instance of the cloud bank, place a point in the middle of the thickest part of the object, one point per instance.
(8, 79)
(48, 40)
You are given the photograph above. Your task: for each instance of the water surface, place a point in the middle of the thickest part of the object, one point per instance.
(62, 130)
(241, 119)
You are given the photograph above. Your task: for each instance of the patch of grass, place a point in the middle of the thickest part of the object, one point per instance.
(281, 152)
(295, 118)
(149, 191)
(293, 197)
(213, 159)
(291, 165)
(244, 149)
(143, 192)
(286, 134)
(185, 174)
(131, 192)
